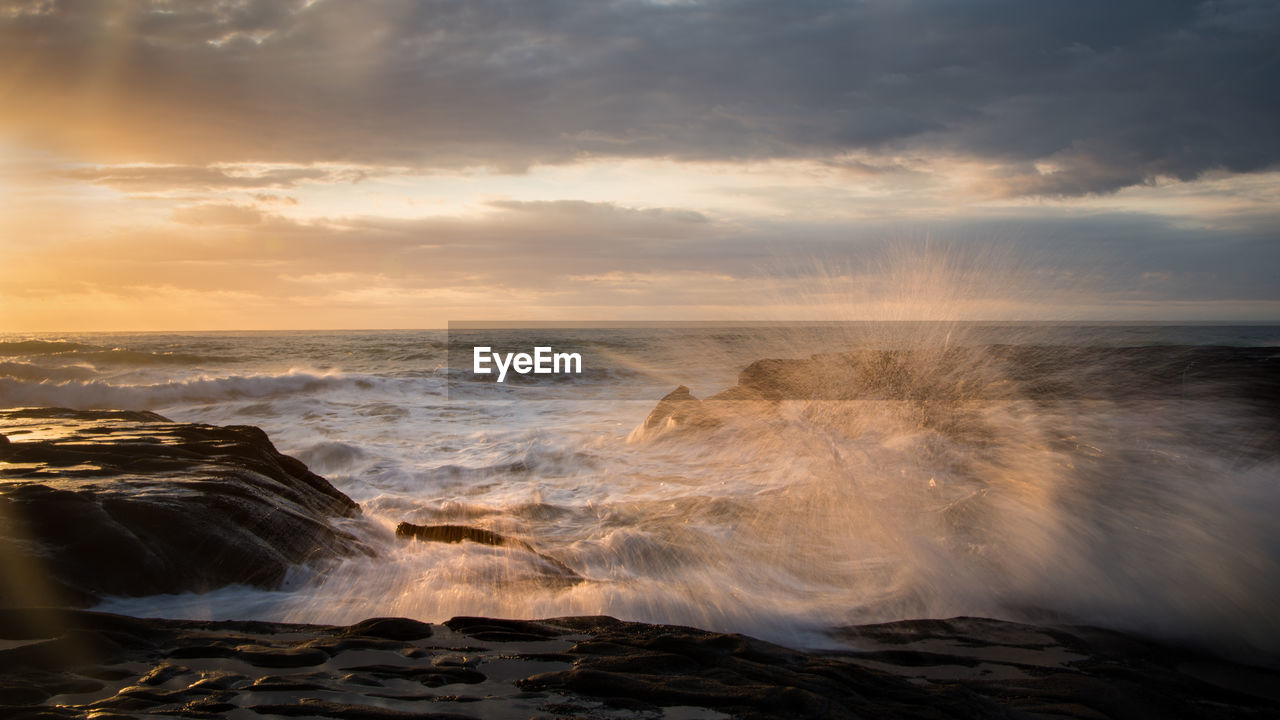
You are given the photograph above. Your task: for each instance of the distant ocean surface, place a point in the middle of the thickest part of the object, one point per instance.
(1158, 516)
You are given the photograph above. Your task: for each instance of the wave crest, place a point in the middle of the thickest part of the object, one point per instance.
(66, 350)
(94, 394)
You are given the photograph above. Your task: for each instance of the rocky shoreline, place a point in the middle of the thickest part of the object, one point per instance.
(74, 663)
(102, 503)
(109, 502)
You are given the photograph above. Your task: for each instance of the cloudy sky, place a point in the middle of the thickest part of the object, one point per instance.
(327, 164)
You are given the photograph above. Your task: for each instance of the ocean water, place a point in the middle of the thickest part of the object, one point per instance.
(1150, 513)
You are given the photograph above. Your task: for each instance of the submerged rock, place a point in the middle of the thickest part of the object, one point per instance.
(459, 533)
(100, 503)
(455, 534)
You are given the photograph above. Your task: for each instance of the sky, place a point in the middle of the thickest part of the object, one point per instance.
(314, 164)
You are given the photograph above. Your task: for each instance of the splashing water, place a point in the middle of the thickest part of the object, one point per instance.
(1021, 471)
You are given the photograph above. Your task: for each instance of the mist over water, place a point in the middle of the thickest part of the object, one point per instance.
(973, 487)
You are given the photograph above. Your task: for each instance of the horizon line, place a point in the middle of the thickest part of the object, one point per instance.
(623, 324)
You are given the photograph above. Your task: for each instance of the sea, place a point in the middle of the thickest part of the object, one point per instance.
(1153, 515)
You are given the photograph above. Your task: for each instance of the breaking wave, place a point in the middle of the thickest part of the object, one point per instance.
(97, 394)
(73, 352)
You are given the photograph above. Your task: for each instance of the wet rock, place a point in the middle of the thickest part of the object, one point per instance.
(657, 666)
(600, 667)
(490, 629)
(310, 707)
(460, 533)
(389, 629)
(273, 657)
(455, 534)
(430, 675)
(129, 503)
(1071, 671)
(943, 386)
(957, 668)
(163, 673)
(996, 371)
(679, 409)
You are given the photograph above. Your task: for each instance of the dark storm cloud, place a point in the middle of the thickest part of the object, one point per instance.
(1101, 95)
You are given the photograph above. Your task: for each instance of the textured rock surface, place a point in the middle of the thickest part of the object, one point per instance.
(129, 503)
(463, 533)
(943, 383)
(996, 371)
(678, 409)
(1070, 671)
(64, 664)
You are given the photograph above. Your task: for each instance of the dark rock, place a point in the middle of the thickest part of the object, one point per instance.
(129, 503)
(958, 668)
(502, 630)
(943, 385)
(600, 667)
(274, 657)
(390, 629)
(679, 408)
(311, 682)
(662, 666)
(1074, 671)
(203, 651)
(455, 534)
(431, 676)
(332, 646)
(459, 533)
(163, 673)
(309, 707)
(997, 371)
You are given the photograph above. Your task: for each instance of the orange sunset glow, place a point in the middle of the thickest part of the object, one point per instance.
(247, 165)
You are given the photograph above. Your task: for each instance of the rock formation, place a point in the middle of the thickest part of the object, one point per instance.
(99, 503)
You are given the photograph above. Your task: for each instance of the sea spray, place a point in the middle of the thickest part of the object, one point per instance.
(1017, 471)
